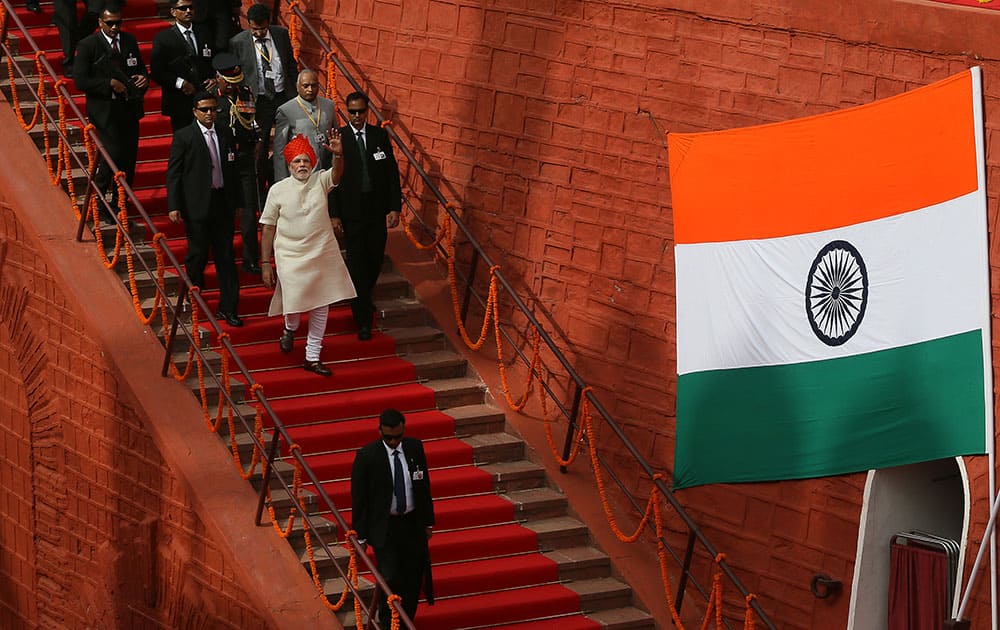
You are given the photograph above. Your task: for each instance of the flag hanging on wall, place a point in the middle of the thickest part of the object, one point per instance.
(833, 309)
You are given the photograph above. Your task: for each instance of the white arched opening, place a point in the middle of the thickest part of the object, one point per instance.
(931, 497)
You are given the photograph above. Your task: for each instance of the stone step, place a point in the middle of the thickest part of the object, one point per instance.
(401, 312)
(146, 283)
(517, 475)
(488, 448)
(391, 284)
(580, 563)
(559, 532)
(458, 392)
(478, 418)
(537, 503)
(623, 618)
(438, 364)
(212, 389)
(603, 593)
(418, 339)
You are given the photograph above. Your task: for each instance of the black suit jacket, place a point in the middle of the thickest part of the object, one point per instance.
(172, 59)
(242, 45)
(371, 489)
(96, 65)
(384, 175)
(189, 172)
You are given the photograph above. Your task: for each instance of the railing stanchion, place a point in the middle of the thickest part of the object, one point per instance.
(468, 285)
(571, 427)
(169, 341)
(86, 198)
(265, 477)
(682, 582)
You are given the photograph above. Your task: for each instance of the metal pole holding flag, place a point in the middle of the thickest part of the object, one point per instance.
(958, 622)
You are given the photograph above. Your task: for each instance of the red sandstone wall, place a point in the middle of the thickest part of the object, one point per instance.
(532, 113)
(117, 508)
(97, 531)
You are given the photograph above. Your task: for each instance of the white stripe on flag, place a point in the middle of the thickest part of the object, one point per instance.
(742, 303)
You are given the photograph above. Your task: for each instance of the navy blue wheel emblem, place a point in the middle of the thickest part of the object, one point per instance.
(836, 293)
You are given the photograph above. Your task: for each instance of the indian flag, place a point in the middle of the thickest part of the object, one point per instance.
(833, 308)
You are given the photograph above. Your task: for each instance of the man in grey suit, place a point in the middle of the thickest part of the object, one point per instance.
(268, 62)
(308, 114)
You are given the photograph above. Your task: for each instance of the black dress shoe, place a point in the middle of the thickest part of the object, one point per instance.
(251, 268)
(286, 341)
(316, 367)
(231, 318)
(33, 6)
(365, 333)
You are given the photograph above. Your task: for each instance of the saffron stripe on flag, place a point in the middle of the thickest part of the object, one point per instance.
(887, 408)
(753, 183)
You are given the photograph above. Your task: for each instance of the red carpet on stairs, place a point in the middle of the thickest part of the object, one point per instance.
(479, 549)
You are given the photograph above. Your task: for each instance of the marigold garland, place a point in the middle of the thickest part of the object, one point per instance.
(121, 228)
(15, 102)
(394, 599)
(284, 532)
(193, 357)
(224, 385)
(331, 83)
(256, 456)
(295, 29)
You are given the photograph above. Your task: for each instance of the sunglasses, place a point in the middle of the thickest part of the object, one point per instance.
(355, 112)
(184, 7)
(112, 23)
(205, 110)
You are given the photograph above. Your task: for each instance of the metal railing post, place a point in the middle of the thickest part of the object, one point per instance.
(468, 285)
(86, 199)
(682, 582)
(571, 428)
(265, 477)
(173, 331)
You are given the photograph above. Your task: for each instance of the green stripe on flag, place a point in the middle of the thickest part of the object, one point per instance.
(909, 404)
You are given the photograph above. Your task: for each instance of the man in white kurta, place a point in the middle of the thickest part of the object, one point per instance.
(311, 273)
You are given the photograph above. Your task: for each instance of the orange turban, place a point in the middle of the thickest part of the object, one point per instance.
(296, 147)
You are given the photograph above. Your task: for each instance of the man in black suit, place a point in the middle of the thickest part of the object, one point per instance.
(71, 28)
(110, 71)
(221, 18)
(268, 62)
(203, 191)
(365, 204)
(392, 510)
(181, 62)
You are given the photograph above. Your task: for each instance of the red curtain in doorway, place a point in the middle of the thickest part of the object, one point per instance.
(918, 580)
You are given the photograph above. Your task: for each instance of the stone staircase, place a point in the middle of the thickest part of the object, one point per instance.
(535, 503)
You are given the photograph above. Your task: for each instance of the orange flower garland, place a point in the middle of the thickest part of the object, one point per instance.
(14, 101)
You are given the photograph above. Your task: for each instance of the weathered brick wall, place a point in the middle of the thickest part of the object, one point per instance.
(118, 509)
(536, 116)
(97, 530)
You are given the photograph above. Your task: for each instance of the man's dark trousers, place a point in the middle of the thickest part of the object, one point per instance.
(365, 241)
(401, 561)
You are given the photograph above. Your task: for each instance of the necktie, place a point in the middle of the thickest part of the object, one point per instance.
(114, 46)
(398, 484)
(265, 66)
(216, 164)
(190, 40)
(366, 182)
